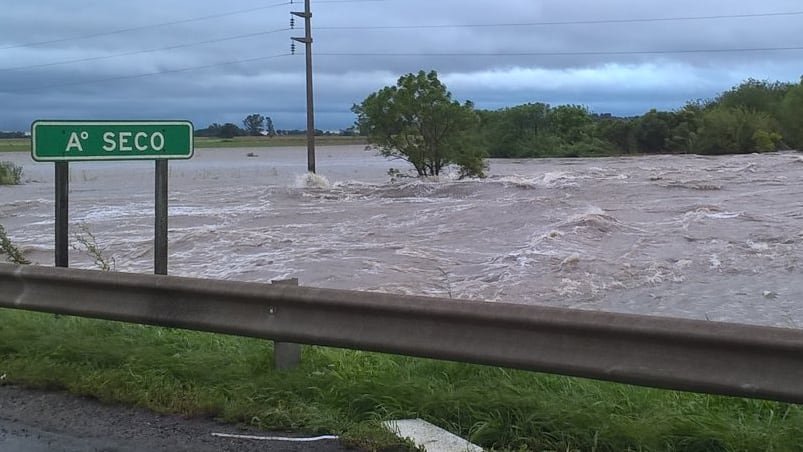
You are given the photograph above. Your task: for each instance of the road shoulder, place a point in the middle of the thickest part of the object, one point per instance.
(35, 420)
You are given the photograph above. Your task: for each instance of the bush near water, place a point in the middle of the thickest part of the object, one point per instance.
(10, 173)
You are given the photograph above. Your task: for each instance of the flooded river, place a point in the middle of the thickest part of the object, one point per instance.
(717, 238)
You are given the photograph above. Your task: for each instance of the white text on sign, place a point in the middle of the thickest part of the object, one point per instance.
(122, 141)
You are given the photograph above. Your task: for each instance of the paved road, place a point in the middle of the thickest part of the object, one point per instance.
(39, 421)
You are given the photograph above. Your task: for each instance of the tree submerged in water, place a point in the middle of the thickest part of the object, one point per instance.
(418, 121)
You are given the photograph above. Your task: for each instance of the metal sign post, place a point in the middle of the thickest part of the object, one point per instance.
(160, 225)
(65, 141)
(62, 214)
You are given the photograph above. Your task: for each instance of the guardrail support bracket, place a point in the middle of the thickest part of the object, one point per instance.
(286, 355)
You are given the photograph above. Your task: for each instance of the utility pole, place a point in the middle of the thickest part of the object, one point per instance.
(307, 40)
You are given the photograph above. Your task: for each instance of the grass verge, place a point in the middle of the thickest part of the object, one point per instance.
(350, 393)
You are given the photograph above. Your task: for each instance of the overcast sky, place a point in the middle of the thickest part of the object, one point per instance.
(96, 59)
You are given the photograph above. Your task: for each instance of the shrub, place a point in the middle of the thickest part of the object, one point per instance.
(10, 173)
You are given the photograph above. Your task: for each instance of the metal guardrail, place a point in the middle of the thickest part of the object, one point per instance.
(700, 356)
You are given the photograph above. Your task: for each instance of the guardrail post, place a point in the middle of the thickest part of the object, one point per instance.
(286, 355)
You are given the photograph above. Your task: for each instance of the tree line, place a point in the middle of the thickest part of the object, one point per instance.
(258, 125)
(755, 116)
(253, 125)
(418, 121)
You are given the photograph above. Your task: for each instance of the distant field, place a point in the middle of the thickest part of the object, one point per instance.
(24, 144)
(295, 140)
(15, 144)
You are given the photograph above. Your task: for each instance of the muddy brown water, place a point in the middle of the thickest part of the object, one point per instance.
(718, 238)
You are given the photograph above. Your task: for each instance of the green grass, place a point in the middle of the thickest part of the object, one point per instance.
(15, 144)
(349, 393)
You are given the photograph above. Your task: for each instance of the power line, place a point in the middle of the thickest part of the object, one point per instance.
(352, 1)
(422, 54)
(566, 22)
(152, 74)
(145, 27)
(577, 53)
(137, 52)
(349, 1)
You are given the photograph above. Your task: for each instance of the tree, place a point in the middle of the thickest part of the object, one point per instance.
(253, 124)
(515, 131)
(271, 131)
(230, 130)
(573, 123)
(618, 132)
(418, 121)
(736, 130)
(349, 132)
(652, 130)
(755, 95)
(791, 112)
(685, 126)
(212, 131)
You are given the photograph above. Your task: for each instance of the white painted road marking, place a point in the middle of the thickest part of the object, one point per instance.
(429, 436)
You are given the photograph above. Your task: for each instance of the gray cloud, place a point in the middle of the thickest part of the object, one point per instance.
(119, 87)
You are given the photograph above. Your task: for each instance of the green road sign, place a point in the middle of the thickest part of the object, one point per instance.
(65, 141)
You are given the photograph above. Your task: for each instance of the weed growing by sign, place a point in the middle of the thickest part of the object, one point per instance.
(88, 243)
(12, 253)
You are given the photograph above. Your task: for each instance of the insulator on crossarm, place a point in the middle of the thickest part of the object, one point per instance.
(292, 48)
(292, 23)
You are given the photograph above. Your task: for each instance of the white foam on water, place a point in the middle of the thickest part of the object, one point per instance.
(715, 262)
(570, 260)
(704, 213)
(724, 215)
(113, 212)
(557, 179)
(569, 287)
(590, 211)
(750, 167)
(551, 180)
(518, 181)
(759, 247)
(312, 180)
(354, 184)
(596, 218)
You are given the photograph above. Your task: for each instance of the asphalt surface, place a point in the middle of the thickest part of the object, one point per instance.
(41, 421)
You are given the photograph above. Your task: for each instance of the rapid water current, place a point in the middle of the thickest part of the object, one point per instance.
(718, 238)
